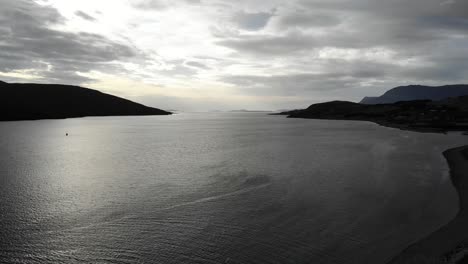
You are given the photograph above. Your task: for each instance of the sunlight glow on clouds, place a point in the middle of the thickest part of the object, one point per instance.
(219, 54)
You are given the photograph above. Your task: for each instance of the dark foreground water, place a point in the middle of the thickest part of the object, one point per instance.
(217, 188)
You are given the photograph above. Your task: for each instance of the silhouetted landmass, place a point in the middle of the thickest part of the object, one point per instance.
(418, 92)
(444, 115)
(49, 101)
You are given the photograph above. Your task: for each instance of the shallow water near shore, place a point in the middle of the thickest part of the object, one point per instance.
(218, 188)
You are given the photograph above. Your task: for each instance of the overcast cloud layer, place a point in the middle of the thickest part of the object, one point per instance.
(219, 54)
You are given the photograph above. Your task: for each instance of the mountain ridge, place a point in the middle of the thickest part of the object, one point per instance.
(418, 92)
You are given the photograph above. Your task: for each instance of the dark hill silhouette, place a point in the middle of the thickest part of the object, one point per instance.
(50, 101)
(418, 92)
(444, 115)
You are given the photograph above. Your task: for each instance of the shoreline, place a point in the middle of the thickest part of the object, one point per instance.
(401, 126)
(448, 244)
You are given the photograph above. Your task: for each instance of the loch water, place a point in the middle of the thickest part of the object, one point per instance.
(218, 188)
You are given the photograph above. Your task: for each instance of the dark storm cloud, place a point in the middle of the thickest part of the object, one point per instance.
(304, 19)
(398, 19)
(252, 21)
(85, 16)
(31, 43)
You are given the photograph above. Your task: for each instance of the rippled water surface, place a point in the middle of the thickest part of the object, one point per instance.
(217, 188)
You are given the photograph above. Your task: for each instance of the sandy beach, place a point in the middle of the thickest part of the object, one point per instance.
(449, 244)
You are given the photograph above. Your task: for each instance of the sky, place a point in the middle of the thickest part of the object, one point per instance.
(202, 55)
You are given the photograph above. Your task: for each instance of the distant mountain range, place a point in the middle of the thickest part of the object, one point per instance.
(418, 92)
(20, 101)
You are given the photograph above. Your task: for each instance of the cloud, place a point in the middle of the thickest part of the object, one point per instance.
(448, 2)
(151, 4)
(269, 44)
(252, 21)
(196, 64)
(84, 16)
(309, 49)
(417, 42)
(178, 69)
(30, 42)
(305, 19)
(307, 84)
(160, 4)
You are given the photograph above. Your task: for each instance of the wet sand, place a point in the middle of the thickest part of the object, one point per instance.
(449, 244)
